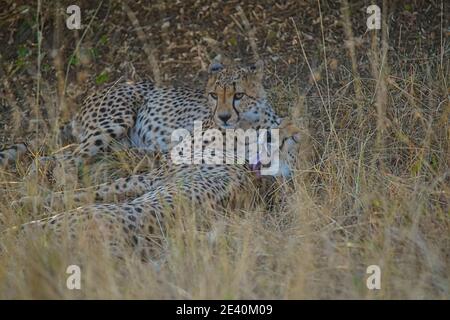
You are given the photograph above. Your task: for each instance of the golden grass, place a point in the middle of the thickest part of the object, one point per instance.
(345, 212)
(375, 191)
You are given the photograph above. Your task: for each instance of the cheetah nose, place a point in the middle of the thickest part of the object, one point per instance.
(224, 117)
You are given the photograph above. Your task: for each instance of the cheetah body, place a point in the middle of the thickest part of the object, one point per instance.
(143, 115)
(138, 205)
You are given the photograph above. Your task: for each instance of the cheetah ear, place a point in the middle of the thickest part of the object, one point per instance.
(291, 128)
(258, 66)
(215, 67)
(257, 69)
(283, 122)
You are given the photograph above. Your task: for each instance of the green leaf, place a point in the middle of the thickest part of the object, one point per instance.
(102, 78)
(23, 52)
(74, 61)
(232, 41)
(103, 39)
(94, 52)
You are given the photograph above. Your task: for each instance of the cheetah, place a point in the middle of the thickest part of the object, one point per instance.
(143, 116)
(138, 217)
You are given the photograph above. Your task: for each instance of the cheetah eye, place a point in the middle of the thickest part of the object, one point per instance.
(296, 138)
(238, 96)
(213, 95)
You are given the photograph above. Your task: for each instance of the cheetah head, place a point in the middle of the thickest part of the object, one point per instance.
(235, 94)
(286, 150)
(290, 136)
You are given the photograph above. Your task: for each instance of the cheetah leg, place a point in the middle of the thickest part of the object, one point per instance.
(134, 225)
(120, 189)
(107, 116)
(116, 191)
(96, 141)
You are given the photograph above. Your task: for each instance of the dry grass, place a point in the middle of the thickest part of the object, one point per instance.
(375, 191)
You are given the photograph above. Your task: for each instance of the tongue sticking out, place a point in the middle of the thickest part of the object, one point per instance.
(256, 164)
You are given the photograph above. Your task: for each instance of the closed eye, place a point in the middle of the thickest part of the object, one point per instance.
(238, 95)
(295, 139)
(213, 95)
